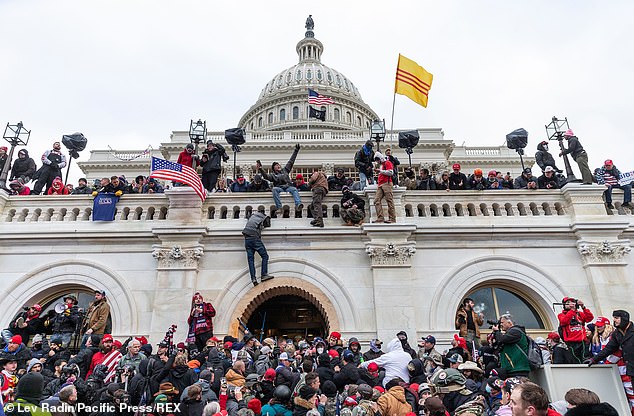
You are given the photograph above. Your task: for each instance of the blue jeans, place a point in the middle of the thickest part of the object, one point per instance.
(252, 245)
(7, 335)
(627, 193)
(290, 189)
(365, 180)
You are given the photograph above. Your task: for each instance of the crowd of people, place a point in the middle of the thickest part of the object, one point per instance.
(372, 168)
(204, 375)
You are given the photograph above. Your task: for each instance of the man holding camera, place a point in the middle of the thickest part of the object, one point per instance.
(548, 180)
(572, 322)
(468, 322)
(512, 346)
(52, 163)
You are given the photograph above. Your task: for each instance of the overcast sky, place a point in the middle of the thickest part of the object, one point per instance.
(128, 72)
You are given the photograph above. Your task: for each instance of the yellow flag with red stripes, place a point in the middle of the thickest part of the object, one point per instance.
(412, 80)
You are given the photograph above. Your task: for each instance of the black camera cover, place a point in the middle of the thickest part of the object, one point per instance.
(75, 143)
(235, 136)
(517, 139)
(408, 139)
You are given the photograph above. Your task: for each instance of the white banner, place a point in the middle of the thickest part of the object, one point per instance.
(626, 178)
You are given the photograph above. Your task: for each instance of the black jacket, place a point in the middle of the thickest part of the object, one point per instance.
(427, 184)
(458, 181)
(623, 340)
(543, 158)
(350, 198)
(83, 358)
(23, 167)
(547, 183)
(348, 374)
(574, 148)
(213, 161)
(181, 376)
(336, 183)
(363, 162)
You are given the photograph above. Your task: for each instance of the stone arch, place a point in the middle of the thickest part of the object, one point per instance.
(55, 277)
(541, 288)
(293, 276)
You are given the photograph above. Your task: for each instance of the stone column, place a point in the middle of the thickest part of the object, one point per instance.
(177, 257)
(390, 253)
(602, 249)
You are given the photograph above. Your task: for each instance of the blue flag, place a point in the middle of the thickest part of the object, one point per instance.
(104, 207)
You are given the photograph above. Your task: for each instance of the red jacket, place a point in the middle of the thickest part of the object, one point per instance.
(576, 332)
(208, 312)
(387, 165)
(186, 159)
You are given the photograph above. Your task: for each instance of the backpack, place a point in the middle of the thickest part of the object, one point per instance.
(534, 355)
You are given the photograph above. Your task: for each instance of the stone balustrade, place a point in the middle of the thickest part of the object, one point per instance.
(411, 206)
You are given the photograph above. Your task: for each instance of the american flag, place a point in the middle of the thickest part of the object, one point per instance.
(164, 169)
(315, 98)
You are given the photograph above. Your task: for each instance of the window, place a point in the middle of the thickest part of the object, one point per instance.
(295, 113)
(259, 121)
(251, 128)
(309, 74)
(337, 114)
(298, 75)
(348, 117)
(320, 76)
(494, 301)
(358, 121)
(282, 114)
(271, 118)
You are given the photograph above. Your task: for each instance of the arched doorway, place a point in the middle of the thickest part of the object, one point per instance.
(84, 297)
(287, 316)
(290, 310)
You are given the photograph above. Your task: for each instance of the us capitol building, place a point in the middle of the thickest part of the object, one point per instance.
(519, 251)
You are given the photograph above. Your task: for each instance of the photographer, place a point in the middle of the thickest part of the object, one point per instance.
(70, 375)
(572, 328)
(548, 180)
(512, 346)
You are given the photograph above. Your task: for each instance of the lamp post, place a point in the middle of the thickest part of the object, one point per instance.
(377, 132)
(555, 131)
(16, 135)
(197, 132)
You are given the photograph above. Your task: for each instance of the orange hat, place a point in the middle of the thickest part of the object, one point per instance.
(193, 364)
(477, 172)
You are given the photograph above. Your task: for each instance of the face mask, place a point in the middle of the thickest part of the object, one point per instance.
(546, 147)
(488, 389)
(320, 350)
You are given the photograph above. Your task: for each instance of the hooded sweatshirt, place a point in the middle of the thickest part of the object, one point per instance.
(58, 187)
(394, 361)
(23, 167)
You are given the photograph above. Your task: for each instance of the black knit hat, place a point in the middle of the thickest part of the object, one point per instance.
(619, 313)
(306, 392)
(30, 388)
(329, 388)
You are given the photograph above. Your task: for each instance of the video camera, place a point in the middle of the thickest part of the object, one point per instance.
(493, 323)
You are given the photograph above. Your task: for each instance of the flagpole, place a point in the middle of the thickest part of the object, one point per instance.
(392, 122)
(308, 115)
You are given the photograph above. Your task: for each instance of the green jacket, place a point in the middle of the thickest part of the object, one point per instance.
(22, 407)
(514, 350)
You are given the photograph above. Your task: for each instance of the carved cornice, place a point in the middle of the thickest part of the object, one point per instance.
(391, 255)
(603, 253)
(177, 257)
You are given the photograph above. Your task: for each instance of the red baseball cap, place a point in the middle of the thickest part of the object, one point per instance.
(107, 337)
(227, 345)
(608, 162)
(16, 339)
(336, 335)
(456, 166)
(602, 321)
(554, 336)
(333, 353)
(373, 367)
(37, 307)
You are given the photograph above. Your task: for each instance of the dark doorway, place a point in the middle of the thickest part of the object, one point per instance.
(287, 316)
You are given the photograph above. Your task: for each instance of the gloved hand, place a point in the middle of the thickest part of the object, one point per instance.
(118, 193)
(297, 147)
(589, 361)
(94, 193)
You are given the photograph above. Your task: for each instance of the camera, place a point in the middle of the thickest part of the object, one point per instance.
(493, 323)
(70, 370)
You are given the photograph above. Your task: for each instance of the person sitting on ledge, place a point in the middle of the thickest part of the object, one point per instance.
(609, 176)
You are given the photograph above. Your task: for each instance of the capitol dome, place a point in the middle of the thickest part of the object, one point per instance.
(283, 102)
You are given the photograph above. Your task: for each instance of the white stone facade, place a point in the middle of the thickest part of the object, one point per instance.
(369, 281)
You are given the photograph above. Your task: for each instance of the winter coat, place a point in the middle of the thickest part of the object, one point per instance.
(623, 339)
(181, 376)
(336, 183)
(213, 161)
(325, 373)
(24, 168)
(574, 148)
(276, 410)
(514, 350)
(57, 188)
(187, 159)
(262, 364)
(22, 355)
(257, 221)
(261, 187)
(456, 179)
(235, 379)
(83, 358)
(461, 322)
(521, 182)
(394, 361)
(348, 374)
(208, 395)
(303, 406)
(427, 184)
(97, 316)
(318, 180)
(544, 182)
(281, 178)
(393, 402)
(601, 409)
(350, 198)
(574, 332)
(192, 407)
(208, 312)
(237, 187)
(82, 190)
(283, 375)
(66, 321)
(363, 161)
(543, 158)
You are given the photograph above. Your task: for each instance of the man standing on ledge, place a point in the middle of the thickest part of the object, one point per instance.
(572, 322)
(384, 189)
(579, 155)
(319, 185)
(253, 242)
(468, 322)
